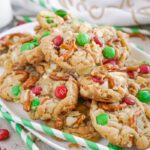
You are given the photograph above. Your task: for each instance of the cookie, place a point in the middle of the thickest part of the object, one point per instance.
(139, 85)
(13, 83)
(7, 42)
(10, 39)
(109, 87)
(78, 78)
(27, 53)
(77, 122)
(48, 20)
(123, 124)
(144, 96)
(53, 94)
(81, 52)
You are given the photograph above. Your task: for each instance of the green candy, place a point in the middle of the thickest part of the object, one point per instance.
(35, 44)
(102, 119)
(143, 96)
(35, 39)
(49, 20)
(61, 13)
(82, 39)
(16, 90)
(35, 102)
(47, 17)
(27, 46)
(114, 147)
(109, 52)
(46, 34)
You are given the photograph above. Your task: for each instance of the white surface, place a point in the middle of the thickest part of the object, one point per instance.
(6, 14)
(14, 143)
(107, 12)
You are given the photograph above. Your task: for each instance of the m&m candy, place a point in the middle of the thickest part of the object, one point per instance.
(128, 100)
(16, 90)
(4, 134)
(109, 52)
(82, 39)
(61, 13)
(143, 96)
(144, 69)
(61, 92)
(49, 20)
(46, 33)
(58, 40)
(102, 119)
(27, 46)
(35, 102)
(36, 90)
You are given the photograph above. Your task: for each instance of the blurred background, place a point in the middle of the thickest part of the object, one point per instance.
(100, 12)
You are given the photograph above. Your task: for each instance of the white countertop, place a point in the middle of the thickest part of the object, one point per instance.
(15, 142)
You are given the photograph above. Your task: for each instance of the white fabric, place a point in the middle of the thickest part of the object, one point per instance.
(110, 12)
(5, 13)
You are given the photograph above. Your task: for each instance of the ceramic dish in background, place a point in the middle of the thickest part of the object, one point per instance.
(11, 107)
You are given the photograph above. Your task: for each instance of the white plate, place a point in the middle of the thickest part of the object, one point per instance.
(11, 107)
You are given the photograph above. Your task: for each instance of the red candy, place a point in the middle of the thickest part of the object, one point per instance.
(20, 23)
(131, 74)
(58, 40)
(144, 69)
(61, 92)
(128, 100)
(4, 134)
(98, 80)
(97, 41)
(111, 61)
(36, 90)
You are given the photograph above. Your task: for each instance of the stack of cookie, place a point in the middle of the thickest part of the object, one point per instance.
(78, 79)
